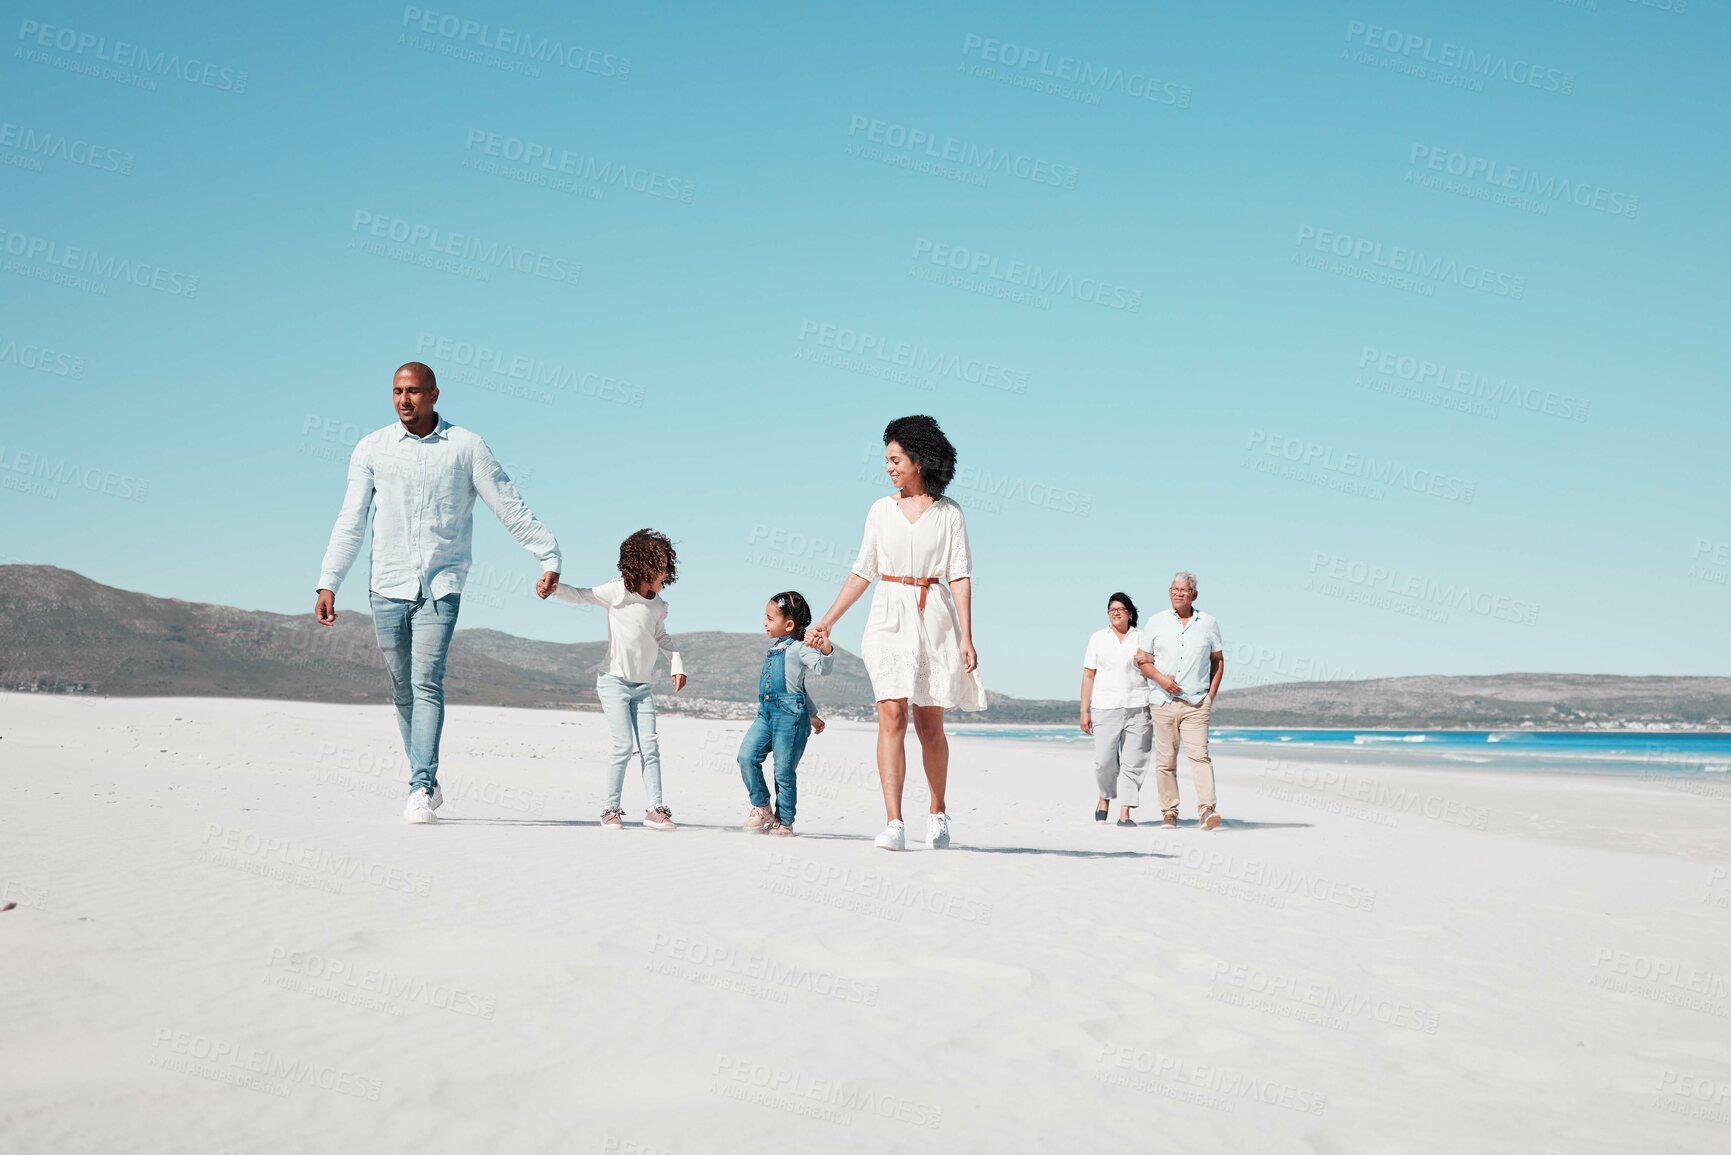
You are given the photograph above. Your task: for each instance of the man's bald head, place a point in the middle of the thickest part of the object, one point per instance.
(422, 373)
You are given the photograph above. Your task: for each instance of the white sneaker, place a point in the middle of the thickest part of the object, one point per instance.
(894, 837)
(438, 798)
(420, 809)
(938, 831)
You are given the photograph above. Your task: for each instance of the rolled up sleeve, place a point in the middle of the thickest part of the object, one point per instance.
(501, 496)
(815, 659)
(675, 666)
(351, 526)
(961, 562)
(866, 564)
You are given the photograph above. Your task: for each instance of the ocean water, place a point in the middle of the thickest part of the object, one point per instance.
(1624, 752)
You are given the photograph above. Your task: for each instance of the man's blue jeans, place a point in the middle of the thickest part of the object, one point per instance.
(630, 711)
(414, 635)
(782, 725)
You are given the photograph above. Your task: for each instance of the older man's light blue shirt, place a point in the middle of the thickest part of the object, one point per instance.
(423, 491)
(1183, 649)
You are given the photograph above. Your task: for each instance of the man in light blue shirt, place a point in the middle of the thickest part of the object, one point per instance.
(420, 477)
(1183, 658)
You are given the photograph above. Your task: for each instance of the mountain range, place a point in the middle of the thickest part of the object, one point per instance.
(60, 632)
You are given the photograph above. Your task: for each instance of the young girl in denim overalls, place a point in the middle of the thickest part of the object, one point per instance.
(785, 714)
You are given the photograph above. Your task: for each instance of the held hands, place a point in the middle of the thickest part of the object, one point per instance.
(678, 682)
(817, 637)
(325, 609)
(547, 584)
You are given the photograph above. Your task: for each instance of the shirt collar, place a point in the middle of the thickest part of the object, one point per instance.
(438, 433)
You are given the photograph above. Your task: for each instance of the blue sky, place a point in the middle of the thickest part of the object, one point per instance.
(1394, 324)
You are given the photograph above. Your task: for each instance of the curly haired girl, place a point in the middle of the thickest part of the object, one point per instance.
(636, 637)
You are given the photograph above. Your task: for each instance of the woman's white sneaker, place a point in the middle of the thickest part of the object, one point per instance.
(938, 831)
(894, 837)
(420, 808)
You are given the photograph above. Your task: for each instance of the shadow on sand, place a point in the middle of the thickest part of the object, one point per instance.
(1224, 828)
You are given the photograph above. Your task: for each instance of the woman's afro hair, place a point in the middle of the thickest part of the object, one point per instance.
(925, 444)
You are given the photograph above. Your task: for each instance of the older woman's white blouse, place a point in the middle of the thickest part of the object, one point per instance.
(908, 653)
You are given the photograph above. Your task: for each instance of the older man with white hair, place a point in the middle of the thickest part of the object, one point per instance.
(1184, 658)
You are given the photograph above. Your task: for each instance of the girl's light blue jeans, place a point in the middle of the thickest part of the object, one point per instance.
(630, 712)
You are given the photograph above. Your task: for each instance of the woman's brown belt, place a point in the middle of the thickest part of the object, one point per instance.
(924, 583)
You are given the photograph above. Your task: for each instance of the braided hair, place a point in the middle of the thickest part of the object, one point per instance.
(793, 605)
(925, 444)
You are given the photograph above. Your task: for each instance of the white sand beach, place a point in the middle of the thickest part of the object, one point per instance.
(225, 938)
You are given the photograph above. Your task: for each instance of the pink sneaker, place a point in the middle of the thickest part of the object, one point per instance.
(660, 818)
(779, 830)
(758, 818)
(613, 819)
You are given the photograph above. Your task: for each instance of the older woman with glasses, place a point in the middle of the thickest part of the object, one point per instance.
(1115, 710)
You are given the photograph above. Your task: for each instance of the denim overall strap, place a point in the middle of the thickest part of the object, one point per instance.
(772, 686)
(773, 683)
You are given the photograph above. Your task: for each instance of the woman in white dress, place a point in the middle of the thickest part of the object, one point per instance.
(918, 644)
